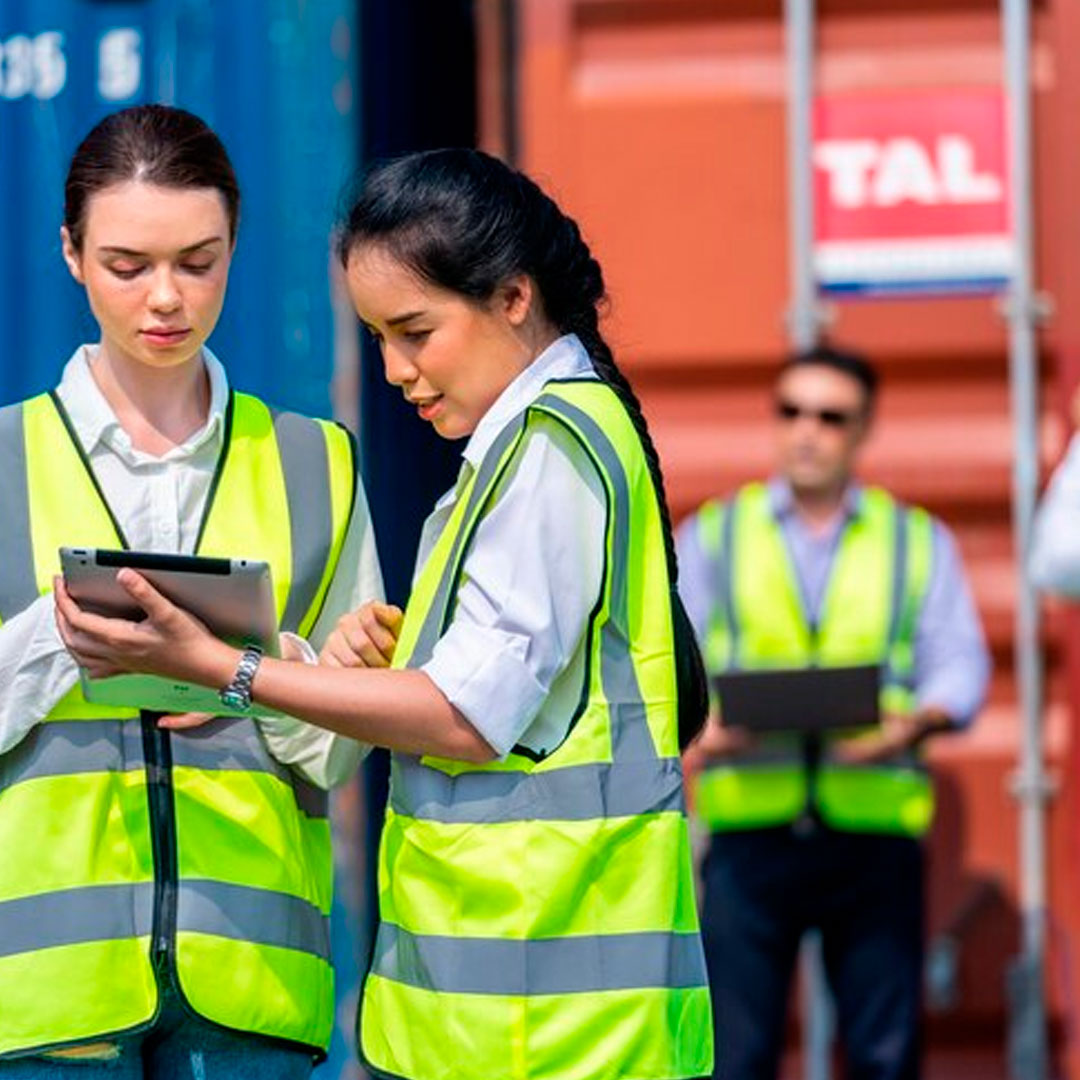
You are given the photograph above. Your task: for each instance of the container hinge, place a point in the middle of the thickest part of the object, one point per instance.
(822, 316)
(1039, 311)
(1040, 784)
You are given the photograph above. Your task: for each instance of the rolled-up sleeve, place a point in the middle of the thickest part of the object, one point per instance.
(529, 584)
(952, 664)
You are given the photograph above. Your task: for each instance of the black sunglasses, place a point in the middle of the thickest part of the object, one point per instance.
(834, 418)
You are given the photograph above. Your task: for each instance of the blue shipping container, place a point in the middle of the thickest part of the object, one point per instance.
(275, 78)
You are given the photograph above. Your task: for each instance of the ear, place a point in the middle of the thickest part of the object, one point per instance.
(515, 298)
(72, 256)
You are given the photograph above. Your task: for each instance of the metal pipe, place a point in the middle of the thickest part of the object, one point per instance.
(803, 318)
(817, 1011)
(803, 325)
(1028, 1051)
(509, 31)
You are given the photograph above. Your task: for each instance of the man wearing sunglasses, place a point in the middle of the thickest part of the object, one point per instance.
(812, 569)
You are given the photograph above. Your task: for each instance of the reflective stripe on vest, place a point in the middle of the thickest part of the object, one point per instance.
(70, 747)
(513, 968)
(529, 906)
(877, 584)
(107, 912)
(252, 839)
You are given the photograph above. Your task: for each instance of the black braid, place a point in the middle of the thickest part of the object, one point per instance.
(582, 279)
(606, 368)
(586, 325)
(467, 222)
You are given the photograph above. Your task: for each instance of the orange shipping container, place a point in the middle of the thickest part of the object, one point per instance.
(659, 124)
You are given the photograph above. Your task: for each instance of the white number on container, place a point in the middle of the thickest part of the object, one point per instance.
(120, 64)
(33, 66)
(50, 65)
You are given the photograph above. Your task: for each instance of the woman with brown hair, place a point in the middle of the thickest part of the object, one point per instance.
(165, 884)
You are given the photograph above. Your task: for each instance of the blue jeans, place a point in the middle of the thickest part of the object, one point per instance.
(179, 1046)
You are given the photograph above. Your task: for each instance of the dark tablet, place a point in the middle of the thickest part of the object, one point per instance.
(800, 699)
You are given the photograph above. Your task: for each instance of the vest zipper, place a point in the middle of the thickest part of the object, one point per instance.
(159, 787)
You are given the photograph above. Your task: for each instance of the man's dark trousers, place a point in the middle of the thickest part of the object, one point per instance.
(764, 889)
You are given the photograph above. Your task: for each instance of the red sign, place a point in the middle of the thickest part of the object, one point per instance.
(911, 192)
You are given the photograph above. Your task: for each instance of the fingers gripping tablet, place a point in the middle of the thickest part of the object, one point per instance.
(233, 597)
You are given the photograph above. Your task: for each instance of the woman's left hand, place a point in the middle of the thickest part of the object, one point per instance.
(169, 641)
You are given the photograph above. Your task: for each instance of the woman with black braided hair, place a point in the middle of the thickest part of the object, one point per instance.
(537, 907)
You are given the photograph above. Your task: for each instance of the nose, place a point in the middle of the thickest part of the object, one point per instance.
(164, 296)
(808, 423)
(399, 369)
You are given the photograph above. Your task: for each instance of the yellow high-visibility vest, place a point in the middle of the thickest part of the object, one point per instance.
(538, 916)
(876, 589)
(127, 848)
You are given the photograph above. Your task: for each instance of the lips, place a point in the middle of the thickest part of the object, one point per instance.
(427, 408)
(165, 336)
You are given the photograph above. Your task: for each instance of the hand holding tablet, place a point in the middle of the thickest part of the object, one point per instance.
(232, 597)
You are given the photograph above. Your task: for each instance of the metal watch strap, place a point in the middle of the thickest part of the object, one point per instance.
(237, 695)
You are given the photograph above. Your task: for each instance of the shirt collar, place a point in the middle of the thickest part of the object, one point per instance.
(782, 499)
(93, 418)
(564, 358)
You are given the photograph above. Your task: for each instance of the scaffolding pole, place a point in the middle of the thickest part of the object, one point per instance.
(804, 324)
(1027, 1033)
(803, 314)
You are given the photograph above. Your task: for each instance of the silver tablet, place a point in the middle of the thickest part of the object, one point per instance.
(234, 597)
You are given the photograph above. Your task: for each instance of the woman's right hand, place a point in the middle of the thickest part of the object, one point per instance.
(366, 637)
(169, 641)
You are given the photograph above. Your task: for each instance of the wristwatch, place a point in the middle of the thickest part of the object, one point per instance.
(237, 695)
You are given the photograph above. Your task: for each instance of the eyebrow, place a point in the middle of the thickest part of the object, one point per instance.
(110, 249)
(397, 320)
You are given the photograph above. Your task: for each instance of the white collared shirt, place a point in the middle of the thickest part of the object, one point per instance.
(512, 660)
(158, 503)
(162, 509)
